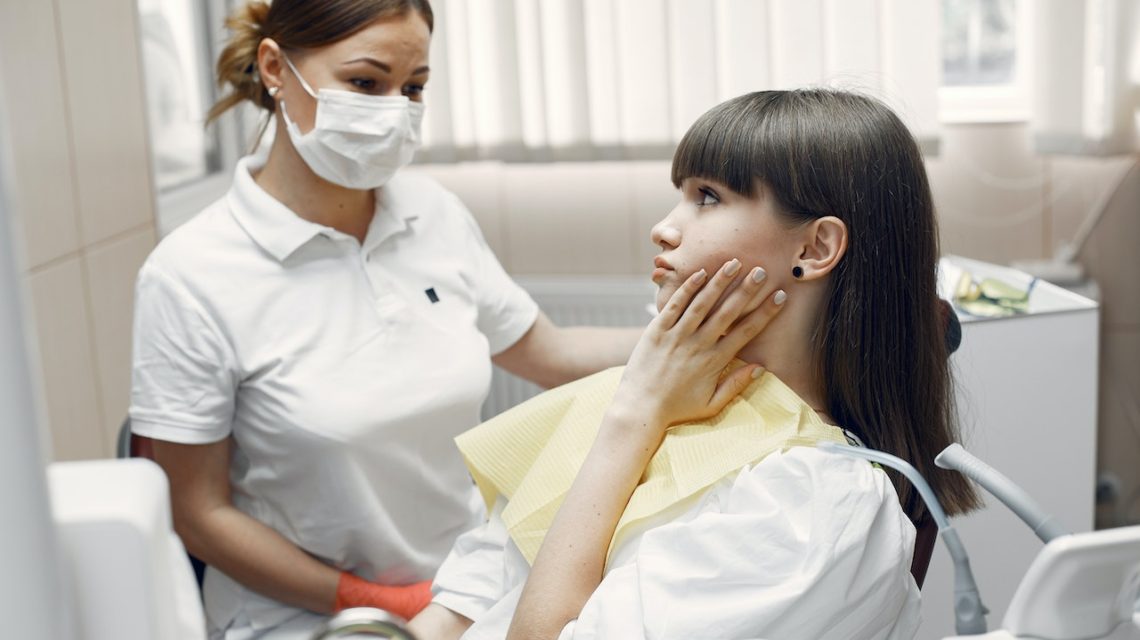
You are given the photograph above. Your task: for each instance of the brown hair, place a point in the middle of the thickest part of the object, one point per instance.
(293, 24)
(880, 348)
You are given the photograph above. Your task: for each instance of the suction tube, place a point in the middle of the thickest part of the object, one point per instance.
(958, 459)
(969, 612)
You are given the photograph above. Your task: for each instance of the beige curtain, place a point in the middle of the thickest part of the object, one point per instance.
(599, 79)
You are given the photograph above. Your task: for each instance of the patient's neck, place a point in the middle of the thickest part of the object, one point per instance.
(785, 348)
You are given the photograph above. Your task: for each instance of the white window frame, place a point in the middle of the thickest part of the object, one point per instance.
(180, 203)
(1011, 102)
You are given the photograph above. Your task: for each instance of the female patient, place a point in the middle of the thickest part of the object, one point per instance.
(797, 291)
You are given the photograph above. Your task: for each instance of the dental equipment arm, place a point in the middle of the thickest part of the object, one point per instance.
(363, 622)
(958, 459)
(969, 612)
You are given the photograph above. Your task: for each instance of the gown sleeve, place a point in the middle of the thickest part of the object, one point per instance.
(473, 577)
(804, 544)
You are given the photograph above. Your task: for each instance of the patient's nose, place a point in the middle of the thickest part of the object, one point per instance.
(665, 235)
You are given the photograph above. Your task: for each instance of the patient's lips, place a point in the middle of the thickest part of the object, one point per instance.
(662, 268)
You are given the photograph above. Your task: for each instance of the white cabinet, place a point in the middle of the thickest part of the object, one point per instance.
(1027, 398)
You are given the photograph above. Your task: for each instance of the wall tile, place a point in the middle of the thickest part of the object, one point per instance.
(568, 219)
(1075, 185)
(108, 116)
(1109, 256)
(1112, 258)
(64, 341)
(111, 269)
(37, 131)
(988, 192)
(479, 186)
(1118, 442)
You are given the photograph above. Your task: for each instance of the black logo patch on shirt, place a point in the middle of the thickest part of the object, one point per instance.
(430, 291)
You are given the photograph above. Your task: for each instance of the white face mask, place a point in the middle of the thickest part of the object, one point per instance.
(357, 141)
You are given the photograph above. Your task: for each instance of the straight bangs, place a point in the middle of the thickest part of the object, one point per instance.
(733, 144)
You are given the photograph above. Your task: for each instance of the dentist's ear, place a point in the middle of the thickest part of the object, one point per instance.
(824, 244)
(270, 63)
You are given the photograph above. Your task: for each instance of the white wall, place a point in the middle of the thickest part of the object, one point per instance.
(82, 192)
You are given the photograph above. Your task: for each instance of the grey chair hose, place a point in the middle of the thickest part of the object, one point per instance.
(969, 612)
(956, 458)
(123, 442)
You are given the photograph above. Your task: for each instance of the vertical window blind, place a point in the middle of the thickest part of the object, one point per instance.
(1086, 97)
(524, 80)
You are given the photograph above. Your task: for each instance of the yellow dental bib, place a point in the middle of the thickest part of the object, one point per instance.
(531, 453)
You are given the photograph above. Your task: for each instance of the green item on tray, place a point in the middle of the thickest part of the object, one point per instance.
(991, 298)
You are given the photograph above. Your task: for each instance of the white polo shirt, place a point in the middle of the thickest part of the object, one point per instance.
(342, 371)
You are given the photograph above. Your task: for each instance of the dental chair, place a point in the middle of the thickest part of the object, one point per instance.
(926, 529)
(925, 539)
(131, 446)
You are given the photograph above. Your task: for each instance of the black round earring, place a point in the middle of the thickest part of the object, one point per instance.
(797, 271)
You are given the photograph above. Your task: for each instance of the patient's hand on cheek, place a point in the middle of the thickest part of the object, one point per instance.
(675, 372)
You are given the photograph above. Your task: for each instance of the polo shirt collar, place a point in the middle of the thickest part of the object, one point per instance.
(280, 231)
(394, 211)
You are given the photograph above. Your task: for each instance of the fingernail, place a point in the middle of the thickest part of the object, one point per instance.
(700, 276)
(757, 372)
(780, 297)
(732, 267)
(758, 275)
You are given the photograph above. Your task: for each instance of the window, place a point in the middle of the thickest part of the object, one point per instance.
(986, 57)
(179, 41)
(979, 42)
(177, 91)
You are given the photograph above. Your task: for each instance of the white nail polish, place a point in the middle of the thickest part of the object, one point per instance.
(732, 267)
(757, 372)
(758, 275)
(780, 297)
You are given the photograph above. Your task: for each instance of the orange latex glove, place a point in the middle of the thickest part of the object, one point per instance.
(405, 601)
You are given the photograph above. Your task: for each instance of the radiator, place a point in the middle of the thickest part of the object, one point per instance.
(616, 301)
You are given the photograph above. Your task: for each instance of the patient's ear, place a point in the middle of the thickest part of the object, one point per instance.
(824, 244)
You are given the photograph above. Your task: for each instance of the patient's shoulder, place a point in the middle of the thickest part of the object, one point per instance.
(806, 478)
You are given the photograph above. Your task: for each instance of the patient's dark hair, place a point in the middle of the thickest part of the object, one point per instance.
(880, 348)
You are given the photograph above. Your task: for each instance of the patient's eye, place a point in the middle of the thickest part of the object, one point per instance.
(707, 197)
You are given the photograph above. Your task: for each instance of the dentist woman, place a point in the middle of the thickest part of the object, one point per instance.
(307, 347)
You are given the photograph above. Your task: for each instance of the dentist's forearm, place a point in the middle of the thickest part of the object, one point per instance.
(572, 558)
(549, 355)
(215, 531)
(592, 349)
(262, 559)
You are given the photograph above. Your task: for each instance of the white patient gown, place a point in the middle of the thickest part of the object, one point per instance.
(802, 545)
